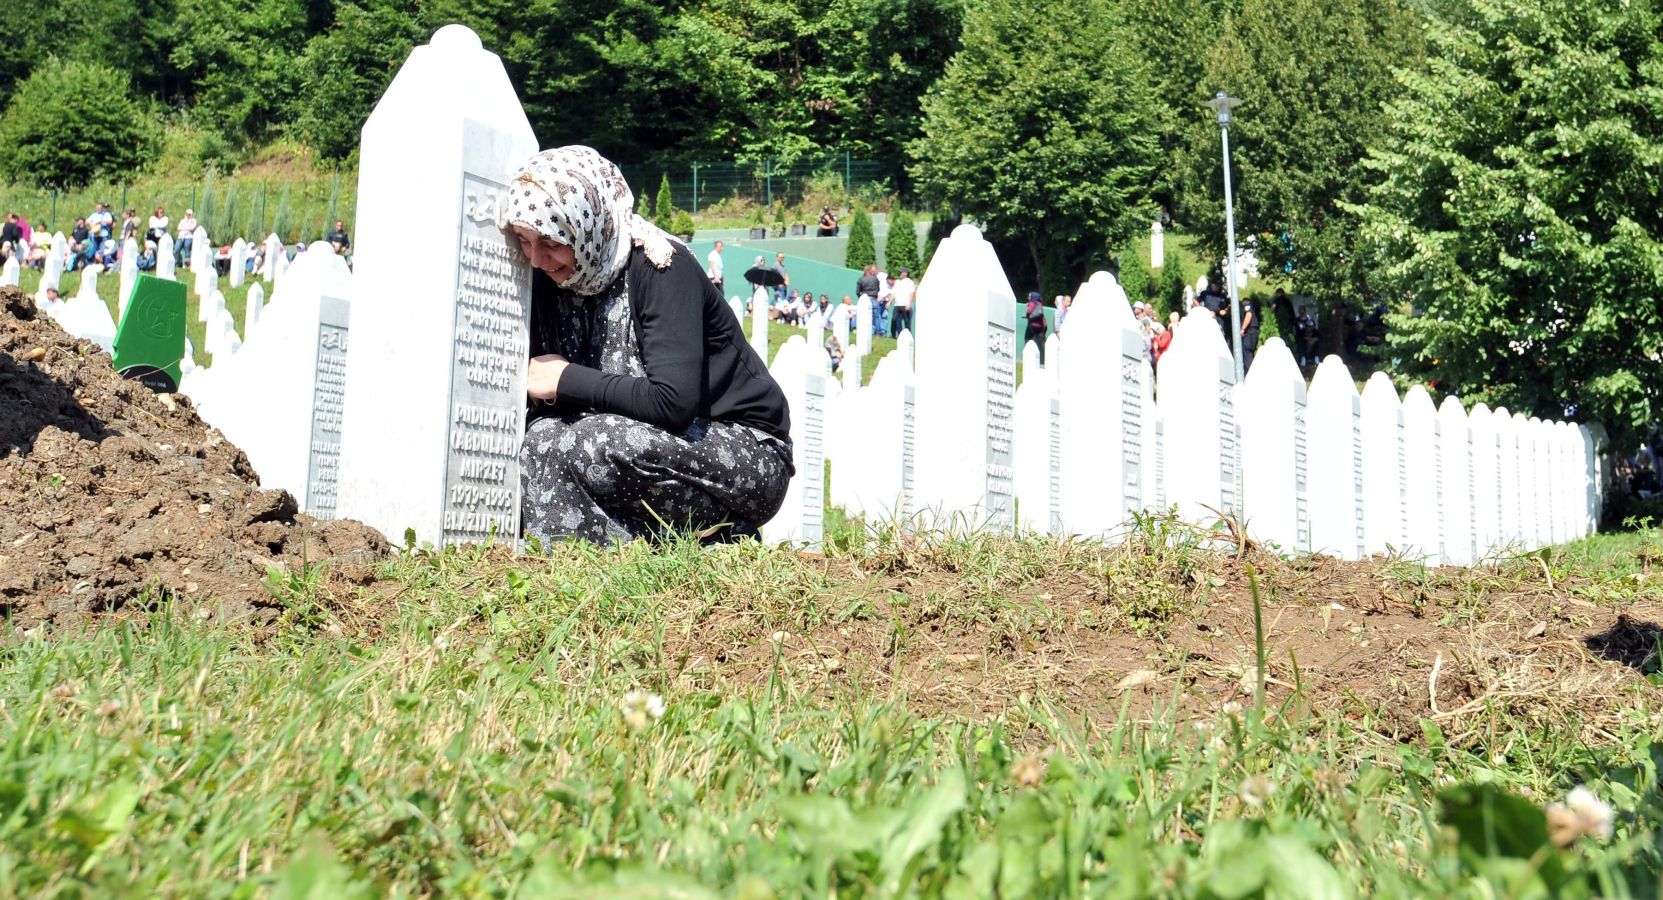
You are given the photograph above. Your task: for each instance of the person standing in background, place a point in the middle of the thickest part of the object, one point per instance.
(1035, 314)
(713, 266)
(187, 231)
(900, 312)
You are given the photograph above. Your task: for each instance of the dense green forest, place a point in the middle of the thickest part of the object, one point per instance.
(1490, 160)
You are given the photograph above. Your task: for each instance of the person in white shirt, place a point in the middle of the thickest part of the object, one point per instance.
(900, 310)
(713, 266)
(157, 226)
(187, 232)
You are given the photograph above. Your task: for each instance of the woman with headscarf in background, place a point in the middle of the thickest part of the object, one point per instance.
(650, 412)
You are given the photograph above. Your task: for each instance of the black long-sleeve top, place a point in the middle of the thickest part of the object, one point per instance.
(697, 361)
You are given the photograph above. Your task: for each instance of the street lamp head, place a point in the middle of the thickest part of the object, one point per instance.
(1222, 104)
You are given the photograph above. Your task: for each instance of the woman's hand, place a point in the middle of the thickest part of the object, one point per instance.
(542, 376)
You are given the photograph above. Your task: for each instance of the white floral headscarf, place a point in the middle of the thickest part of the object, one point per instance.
(577, 197)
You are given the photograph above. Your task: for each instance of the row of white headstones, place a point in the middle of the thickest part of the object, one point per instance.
(1093, 439)
(86, 316)
(415, 425)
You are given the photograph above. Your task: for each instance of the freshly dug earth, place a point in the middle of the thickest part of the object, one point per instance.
(110, 492)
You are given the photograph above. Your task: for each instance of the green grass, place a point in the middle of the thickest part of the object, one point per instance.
(779, 333)
(472, 736)
(109, 286)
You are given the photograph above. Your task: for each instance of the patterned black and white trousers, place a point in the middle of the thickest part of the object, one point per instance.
(604, 477)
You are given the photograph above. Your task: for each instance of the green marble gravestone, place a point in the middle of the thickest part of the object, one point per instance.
(151, 338)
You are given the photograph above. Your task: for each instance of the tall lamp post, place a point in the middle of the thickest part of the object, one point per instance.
(1222, 104)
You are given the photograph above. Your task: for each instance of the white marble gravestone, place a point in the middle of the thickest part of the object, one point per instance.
(759, 322)
(1422, 490)
(166, 261)
(1507, 477)
(434, 410)
(253, 307)
(1571, 489)
(1542, 491)
(801, 517)
(239, 261)
(281, 265)
(879, 438)
(816, 339)
(863, 324)
(86, 315)
(1334, 471)
(1382, 432)
(1031, 442)
(737, 304)
(10, 273)
(1524, 475)
(280, 397)
(1275, 449)
(51, 276)
(1455, 515)
(274, 246)
(1589, 475)
(1486, 482)
(965, 386)
(129, 272)
(202, 263)
(1157, 245)
(1100, 391)
(1198, 422)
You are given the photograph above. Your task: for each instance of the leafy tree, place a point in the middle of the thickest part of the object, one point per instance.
(663, 211)
(941, 225)
(239, 59)
(900, 246)
(1519, 213)
(344, 71)
(863, 245)
(643, 205)
(1134, 274)
(69, 123)
(1042, 128)
(1313, 77)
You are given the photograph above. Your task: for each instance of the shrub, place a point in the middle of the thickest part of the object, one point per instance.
(684, 227)
(900, 248)
(1169, 290)
(663, 213)
(1134, 275)
(69, 123)
(863, 245)
(643, 205)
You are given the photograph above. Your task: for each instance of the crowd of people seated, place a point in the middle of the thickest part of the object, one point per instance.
(97, 239)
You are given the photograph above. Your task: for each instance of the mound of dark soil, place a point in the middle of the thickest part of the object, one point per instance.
(109, 492)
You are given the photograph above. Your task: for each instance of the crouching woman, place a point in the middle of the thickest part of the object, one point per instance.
(649, 410)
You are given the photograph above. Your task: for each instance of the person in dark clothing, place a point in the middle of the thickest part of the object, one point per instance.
(11, 232)
(1306, 337)
(1249, 331)
(649, 410)
(338, 238)
(1035, 314)
(1218, 303)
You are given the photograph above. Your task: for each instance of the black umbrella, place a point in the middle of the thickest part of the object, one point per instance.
(765, 276)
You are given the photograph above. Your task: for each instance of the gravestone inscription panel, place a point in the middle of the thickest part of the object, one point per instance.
(487, 370)
(1000, 505)
(328, 395)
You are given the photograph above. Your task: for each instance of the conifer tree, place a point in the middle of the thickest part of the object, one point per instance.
(863, 246)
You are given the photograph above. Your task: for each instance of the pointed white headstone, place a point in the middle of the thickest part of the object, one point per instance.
(239, 261)
(448, 337)
(1382, 431)
(129, 272)
(1335, 453)
(252, 309)
(1422, 490)
(1036, 397)
(759, 322)
(863, 324)
(1275, 449)
(89, 283)
(1197, 406)
(737, 304)
(52, 275)
(268, 267)
(1157, 245)
(166, 264)
(1458, 535)
(279, 396)
(966, 385)
(1100, 390)
(1486, 482)
(1507, 476)
(11, 273)
(202, 263)
(801, 515)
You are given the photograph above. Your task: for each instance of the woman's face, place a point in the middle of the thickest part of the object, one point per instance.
(545, 253)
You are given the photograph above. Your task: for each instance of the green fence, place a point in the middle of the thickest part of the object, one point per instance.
(695, 186)
(301, 209)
